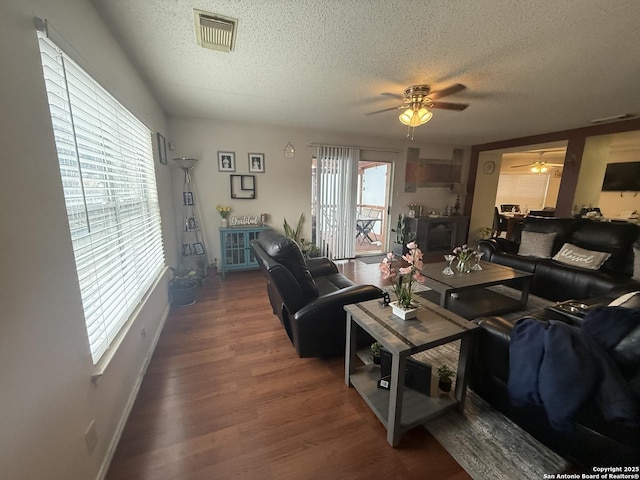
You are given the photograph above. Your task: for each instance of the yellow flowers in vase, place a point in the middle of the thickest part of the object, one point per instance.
(224, 212)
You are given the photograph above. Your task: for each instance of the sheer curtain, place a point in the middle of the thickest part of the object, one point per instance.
(337, 182)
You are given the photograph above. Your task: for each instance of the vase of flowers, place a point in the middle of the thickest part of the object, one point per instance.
(465, 256)
(403, 280)
(224, 212)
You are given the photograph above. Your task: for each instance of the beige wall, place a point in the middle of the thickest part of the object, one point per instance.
(284, 190)
(47, 399)
(598, 151)
(484, 197)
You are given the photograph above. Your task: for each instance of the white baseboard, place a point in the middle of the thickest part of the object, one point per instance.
(113, 445)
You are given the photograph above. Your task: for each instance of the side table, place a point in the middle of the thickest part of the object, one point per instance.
(401, 409)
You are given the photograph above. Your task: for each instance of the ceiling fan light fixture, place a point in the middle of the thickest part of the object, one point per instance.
(424, 115)
(406, 116)
(415, 117)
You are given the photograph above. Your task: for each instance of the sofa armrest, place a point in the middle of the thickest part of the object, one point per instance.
(321, 266)
(497, 326)
(338, 299)
(489, 246)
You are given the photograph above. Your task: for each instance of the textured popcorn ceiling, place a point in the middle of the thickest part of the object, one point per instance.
(530, 66)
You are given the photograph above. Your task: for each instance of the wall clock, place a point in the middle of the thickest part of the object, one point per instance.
(489, 167)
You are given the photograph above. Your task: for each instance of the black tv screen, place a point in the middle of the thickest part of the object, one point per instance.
(622, 177)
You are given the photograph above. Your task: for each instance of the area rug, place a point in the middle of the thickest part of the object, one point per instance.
(371, 259)
(482, 440)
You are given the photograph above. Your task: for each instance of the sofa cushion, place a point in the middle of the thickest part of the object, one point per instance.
(535, 244)
(562, 227)
(612, 237)
(575, 256)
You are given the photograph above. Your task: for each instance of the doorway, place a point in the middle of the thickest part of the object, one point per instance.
(372, 226)
(350, 205)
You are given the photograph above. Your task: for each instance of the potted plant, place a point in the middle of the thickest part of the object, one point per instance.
(182, 287)
(403, 279)
(375, 352)
(445, 375)
(309, 250)
(402, 237)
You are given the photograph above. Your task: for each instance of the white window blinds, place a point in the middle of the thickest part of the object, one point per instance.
(529, 190)
(337, 177)
(106, 165)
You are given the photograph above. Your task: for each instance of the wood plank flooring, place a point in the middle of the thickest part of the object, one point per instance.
(226, 397)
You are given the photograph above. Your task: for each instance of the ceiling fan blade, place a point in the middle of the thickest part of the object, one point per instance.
(525, 165)
(394, 95)
(449, 105)
(387, 110)
(455, 88)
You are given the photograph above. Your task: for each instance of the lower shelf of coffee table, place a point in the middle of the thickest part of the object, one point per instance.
(417, 408)
(475, 303)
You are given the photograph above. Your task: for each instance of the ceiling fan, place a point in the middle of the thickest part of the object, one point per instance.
(539, 166)
(418, 99)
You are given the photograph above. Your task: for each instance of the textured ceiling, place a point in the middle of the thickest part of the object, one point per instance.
(530, 66)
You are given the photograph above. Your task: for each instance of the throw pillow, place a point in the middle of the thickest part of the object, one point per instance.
(636, 263)
(534, 244)
(575, 256)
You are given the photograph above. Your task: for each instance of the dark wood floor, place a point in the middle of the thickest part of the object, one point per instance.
(226, 397)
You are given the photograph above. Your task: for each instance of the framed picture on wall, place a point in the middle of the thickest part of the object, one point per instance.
(188, 198)
(198, 248)
(256, 162)
(226, 161)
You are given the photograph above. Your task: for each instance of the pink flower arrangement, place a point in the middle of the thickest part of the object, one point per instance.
(402, 281)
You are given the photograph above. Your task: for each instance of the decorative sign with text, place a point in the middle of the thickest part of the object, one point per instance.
(244, 220)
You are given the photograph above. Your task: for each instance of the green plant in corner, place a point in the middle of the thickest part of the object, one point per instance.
(182, 286)
(183, 277)
(308, 249)
(290, 232)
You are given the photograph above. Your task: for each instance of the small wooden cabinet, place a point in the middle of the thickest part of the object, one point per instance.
(438, 234)
(236, 248)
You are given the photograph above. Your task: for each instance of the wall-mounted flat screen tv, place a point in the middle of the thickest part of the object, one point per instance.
(622, 177)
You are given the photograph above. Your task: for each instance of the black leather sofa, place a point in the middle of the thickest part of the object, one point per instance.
(595, 441)
(309, 295)
(555, 281)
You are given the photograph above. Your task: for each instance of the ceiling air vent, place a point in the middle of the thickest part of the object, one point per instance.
(215, 31)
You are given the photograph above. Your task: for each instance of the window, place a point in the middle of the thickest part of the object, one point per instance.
(107, 170)
(529, 190)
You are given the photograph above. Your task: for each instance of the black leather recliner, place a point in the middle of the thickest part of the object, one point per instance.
(309, 296)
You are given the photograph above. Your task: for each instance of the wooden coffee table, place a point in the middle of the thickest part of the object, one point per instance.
(466, 293)
(399, 408)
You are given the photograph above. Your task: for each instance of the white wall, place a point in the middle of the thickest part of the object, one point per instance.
(284, 190)
(47, 399)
